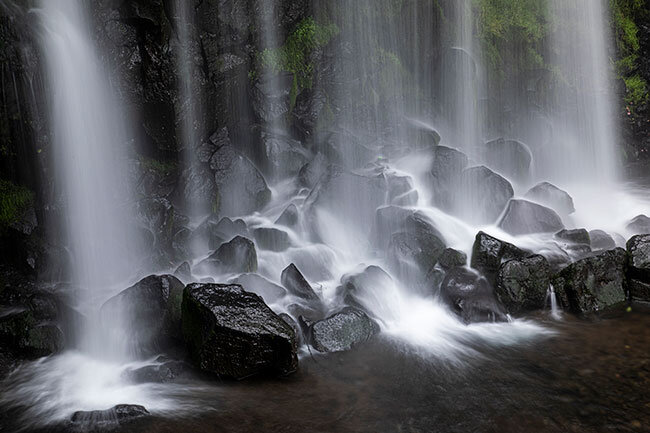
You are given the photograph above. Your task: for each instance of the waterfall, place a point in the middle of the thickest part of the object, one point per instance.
(89, 142)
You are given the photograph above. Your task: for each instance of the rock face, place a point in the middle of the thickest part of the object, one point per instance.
(523, 217)
(639, 225)
(638, 250)
(150, 310)
(550, 195)
(510, 157)
(484, 195)
(342, 331)
(522, 284)
(470, 296)
(296, 284)
(233, 333)
(237, 256)
(488, 253)
(594, 284)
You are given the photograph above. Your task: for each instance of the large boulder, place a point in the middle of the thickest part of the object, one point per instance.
(488, 253)
(483, 195)
(414, 250)
(147, 315)
(547, 194)
(601, 240)
(522, 284)
(510, 157)
(343, 331)
(594, 284)
(470, 297)
(234, 257)
(446, 168)
(296, 284)
(638, 250)
(284, 156)
(214, 231)
(451, 258)
(639, 225)
(271, 239)
(523, 217)
(356, 287)
(233, 333)
(242, 188)
(574, 236)
(259, 285)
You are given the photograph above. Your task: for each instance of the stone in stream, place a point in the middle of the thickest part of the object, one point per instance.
(470, 297)
(271, 239)
(183, 272)
(242, 188)
(116, 414)
(576, 236)
(593, 285)
(451, 258)
(523, 217)
(510, 157)
(296, 284)
(638, 251)
(164, 372)
(639, 225)
(484, 194)
(488, 253)
(311, 173)
(601, 240)
(236, 256)
(446, 168)
(343, 331)
(355, 285)
(522, 284)
(289, 217)
(259, 285)
(150, 310)
(547, 194)
(233, 333)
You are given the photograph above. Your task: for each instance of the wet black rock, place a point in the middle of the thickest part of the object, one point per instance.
(343, 331)
(484, 194)
(594, 284)
(150, 310)
(271, 239)
(365, 284)
(289, 217)
(470, 296)
(388, 220)
(242, 188)
(284, 156)
(297, 330)
(313, 171)
(233, 333)
(639, 225)
(522, 284)
(575, 236)
(234, 257)
(488, 253)
(600, 240)
(259, 285)
(524, 217)
(550, 195)
(116, 414)
(510, 157)
(296, 284)
(638, 250)
(451, 258)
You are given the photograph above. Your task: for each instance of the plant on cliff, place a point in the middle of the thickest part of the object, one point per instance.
(14, 200)
(294, 55)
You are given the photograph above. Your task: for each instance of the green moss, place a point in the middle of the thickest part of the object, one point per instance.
(636, 90)
(512, 25)
(294, 55)
(14, 200)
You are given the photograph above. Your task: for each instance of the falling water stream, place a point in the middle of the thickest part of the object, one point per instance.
(334, 235)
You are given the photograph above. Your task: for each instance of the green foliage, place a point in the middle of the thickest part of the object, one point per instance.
(512, 25)
(14, 200)
(625, 14)
(294, 55)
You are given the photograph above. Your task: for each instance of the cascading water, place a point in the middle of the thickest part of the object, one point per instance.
(89, 158)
